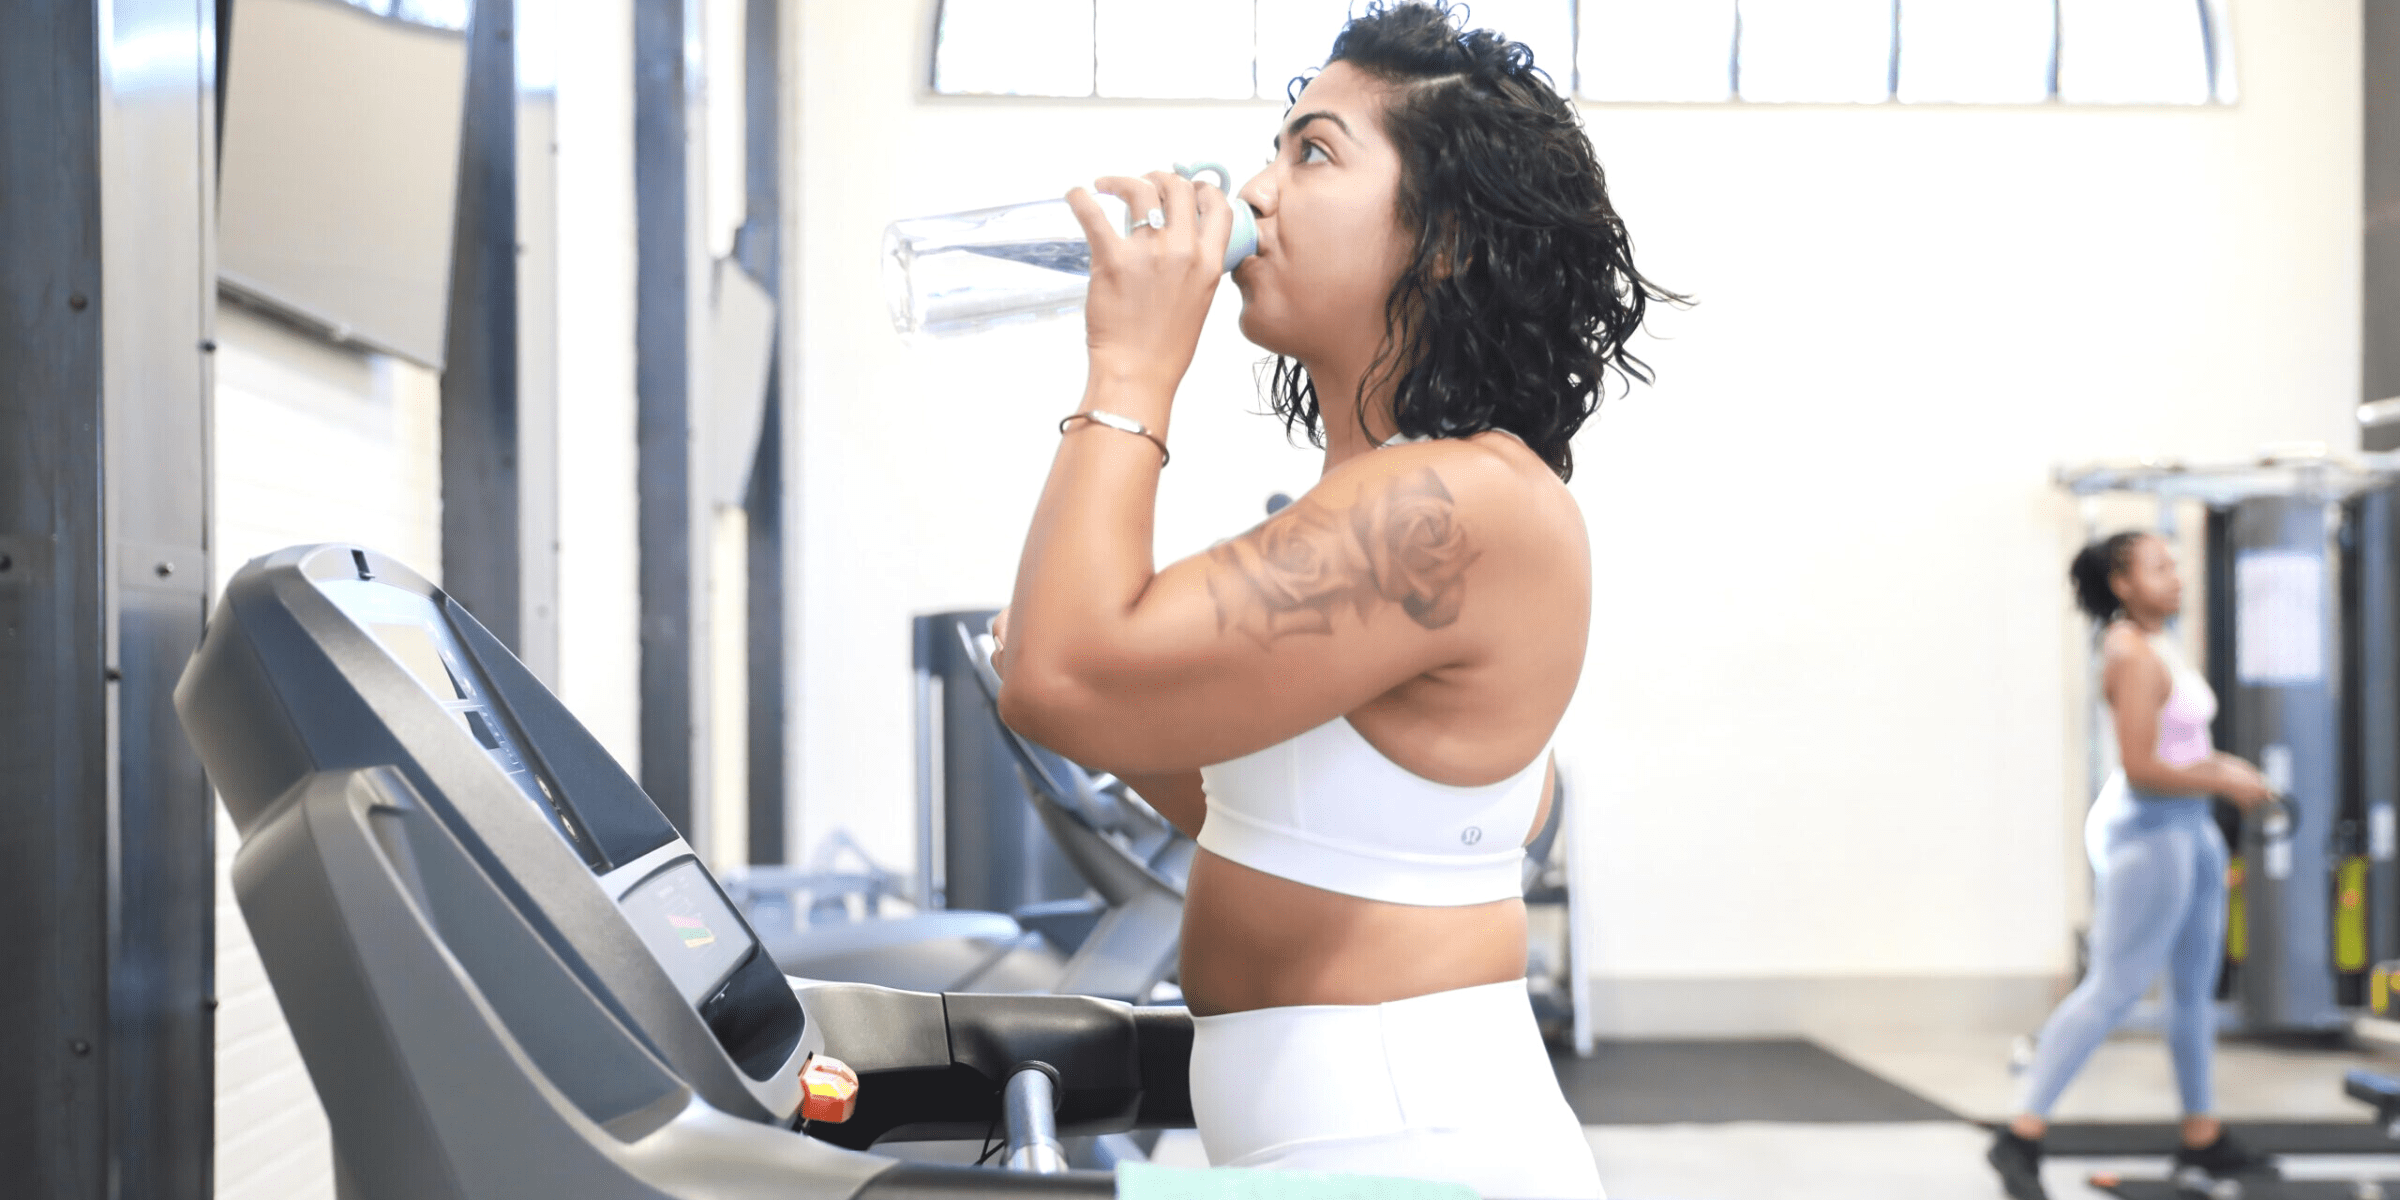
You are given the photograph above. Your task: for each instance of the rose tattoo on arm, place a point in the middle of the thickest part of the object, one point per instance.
(1399, 543)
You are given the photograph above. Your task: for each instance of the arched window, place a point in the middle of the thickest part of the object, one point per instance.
(1622, 51)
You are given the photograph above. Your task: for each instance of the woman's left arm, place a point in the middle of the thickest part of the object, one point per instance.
(1397, 565)
(1150, 292)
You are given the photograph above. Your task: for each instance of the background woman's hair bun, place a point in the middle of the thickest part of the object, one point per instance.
(2093, 566)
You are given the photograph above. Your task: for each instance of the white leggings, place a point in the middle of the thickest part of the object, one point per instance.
(1454, 1086)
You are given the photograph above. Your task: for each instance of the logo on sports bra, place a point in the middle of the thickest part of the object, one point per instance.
(1473, 835)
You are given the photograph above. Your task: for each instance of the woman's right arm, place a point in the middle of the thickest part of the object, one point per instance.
(2137, 684)
(1177, 796)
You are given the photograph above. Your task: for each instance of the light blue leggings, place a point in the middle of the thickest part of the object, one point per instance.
(2161, 908)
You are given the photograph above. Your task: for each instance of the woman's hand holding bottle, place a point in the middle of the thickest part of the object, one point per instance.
(1150, 288)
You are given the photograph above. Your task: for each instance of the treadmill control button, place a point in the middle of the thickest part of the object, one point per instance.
(829, 1090)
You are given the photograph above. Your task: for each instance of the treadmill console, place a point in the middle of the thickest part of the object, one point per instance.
(410, 629)
(689, 928)
(326, 658)
(663, 892)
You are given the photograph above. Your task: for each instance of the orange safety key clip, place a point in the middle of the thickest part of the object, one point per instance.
(829, 1090)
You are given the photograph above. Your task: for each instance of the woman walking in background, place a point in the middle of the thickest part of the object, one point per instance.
(2159, 864)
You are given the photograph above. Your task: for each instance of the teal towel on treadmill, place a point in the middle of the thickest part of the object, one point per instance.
(1143, 1181)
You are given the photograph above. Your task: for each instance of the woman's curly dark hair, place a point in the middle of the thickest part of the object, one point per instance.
(1522, 289)
(2094, 566)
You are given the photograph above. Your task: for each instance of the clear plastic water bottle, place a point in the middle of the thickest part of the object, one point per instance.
(967, 272)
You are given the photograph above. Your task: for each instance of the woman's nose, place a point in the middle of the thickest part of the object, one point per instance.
(1259, 193)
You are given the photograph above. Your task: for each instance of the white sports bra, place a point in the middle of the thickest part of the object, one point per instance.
(1329, 810)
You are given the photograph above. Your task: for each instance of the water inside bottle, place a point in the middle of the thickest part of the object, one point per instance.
(996, 266)
(1073, 258)
(973, 271)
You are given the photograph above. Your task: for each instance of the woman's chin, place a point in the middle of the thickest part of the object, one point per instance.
(1257, 331)
(1262, 331)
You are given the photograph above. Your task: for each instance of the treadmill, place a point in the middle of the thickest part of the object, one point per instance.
(510, 977)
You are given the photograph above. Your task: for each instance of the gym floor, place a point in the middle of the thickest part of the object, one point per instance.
(1897, 1116)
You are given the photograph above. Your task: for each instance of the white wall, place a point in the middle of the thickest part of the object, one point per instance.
(1821, 723)
(1821, 733)
(313, 444)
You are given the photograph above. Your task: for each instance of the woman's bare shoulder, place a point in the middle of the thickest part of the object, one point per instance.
(1506, 495)
(2123, 642)
(1443, 527)
(2126, 656)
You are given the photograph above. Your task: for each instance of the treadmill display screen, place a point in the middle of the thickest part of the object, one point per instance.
(687, 925)
(414, 647)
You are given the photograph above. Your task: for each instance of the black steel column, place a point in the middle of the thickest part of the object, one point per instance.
(54, 769)
(107, 148)
(2217, 564)
(2380, 310)
(758, 249)
(482, 533)
(670, 300)
(2371, 742)
(768, 825)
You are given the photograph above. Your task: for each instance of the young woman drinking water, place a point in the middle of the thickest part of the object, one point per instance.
(1352, 705)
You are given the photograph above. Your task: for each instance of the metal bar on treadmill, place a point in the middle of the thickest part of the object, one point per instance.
(1029, 1110)
(928, 781)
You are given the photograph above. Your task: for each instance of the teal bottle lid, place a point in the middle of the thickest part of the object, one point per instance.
(1244, 241)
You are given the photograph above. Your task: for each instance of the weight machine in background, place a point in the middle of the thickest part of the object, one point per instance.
(2301, 568)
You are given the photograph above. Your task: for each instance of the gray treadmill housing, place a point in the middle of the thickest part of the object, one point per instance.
(434, 866)
(289, 682)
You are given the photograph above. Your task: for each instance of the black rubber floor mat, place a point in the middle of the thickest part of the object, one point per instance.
(2109, 1140)
(1785, 1079)
(2283, 1189)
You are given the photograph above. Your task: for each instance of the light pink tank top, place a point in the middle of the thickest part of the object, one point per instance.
(2191, 704)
